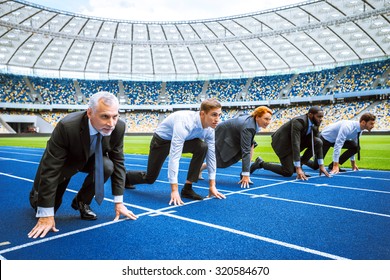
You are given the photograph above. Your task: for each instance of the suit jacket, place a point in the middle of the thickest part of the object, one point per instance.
(67, 152)
(291, 137)
(235, 136)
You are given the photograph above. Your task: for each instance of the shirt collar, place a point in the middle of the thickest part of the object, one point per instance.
(92, 130)
(310, 123)
(258, 128)
(358, 129)
(198, 121)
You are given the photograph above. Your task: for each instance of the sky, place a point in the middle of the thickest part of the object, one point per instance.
(163, 10)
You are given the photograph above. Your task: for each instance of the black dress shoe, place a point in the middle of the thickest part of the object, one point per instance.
(189, 193)
(257, 164)
(85, 211)
(330, 167)
(128, 185)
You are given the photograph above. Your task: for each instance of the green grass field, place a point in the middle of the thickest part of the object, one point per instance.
(375, 153)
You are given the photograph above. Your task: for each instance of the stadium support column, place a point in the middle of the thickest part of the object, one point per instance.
(79, 97)
(203, 95)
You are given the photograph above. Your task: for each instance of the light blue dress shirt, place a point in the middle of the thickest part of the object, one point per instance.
(179, 127)
(338, 133)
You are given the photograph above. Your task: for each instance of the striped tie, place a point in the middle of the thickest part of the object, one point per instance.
(312, 143)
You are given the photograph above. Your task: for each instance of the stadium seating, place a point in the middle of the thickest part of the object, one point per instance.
(26, 90)
(14, 89)
(59, 91)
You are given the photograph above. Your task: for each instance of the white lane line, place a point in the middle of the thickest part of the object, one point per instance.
(258, 237)
(16, 177)
(19, 160)
(365, 177)
(341, 187)
(326, 206)
(160, 213)
(25, 154)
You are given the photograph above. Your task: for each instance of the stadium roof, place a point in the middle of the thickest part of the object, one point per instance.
(40, 41)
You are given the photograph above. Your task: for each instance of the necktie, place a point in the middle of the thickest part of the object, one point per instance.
(358, 145)
(312, 142)
(99, 173)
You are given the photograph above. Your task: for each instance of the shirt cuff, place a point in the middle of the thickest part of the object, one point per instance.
(173, 181)
(297, 163)
(212, 176)
(118, 198)
(45, 212)
(245, 174)
(320, 161)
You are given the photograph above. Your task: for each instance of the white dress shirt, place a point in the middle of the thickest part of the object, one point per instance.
(179, 127)
(338, 133)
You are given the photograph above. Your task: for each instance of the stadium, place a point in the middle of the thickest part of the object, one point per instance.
(335, 54)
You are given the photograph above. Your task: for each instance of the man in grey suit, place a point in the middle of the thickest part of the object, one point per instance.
(70, 150)
(234, 140)
(293, 137)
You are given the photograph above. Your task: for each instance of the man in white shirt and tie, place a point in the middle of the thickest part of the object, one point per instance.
(344, 134)
(183, 132)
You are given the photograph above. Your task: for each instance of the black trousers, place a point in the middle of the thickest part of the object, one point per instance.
(159, 151)
(286, 167)
(224, 164)
(87, 190)
(350, 145)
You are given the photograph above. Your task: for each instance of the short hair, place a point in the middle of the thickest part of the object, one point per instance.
(107, 98)
(315, 109)
(367, 117)
(260, 111)
(209, 104)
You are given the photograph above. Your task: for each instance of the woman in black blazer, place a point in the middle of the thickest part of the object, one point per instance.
(234, 140)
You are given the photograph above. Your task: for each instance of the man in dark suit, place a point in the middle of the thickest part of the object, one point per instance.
(293, 137)
(71, 149)
(234, 140)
